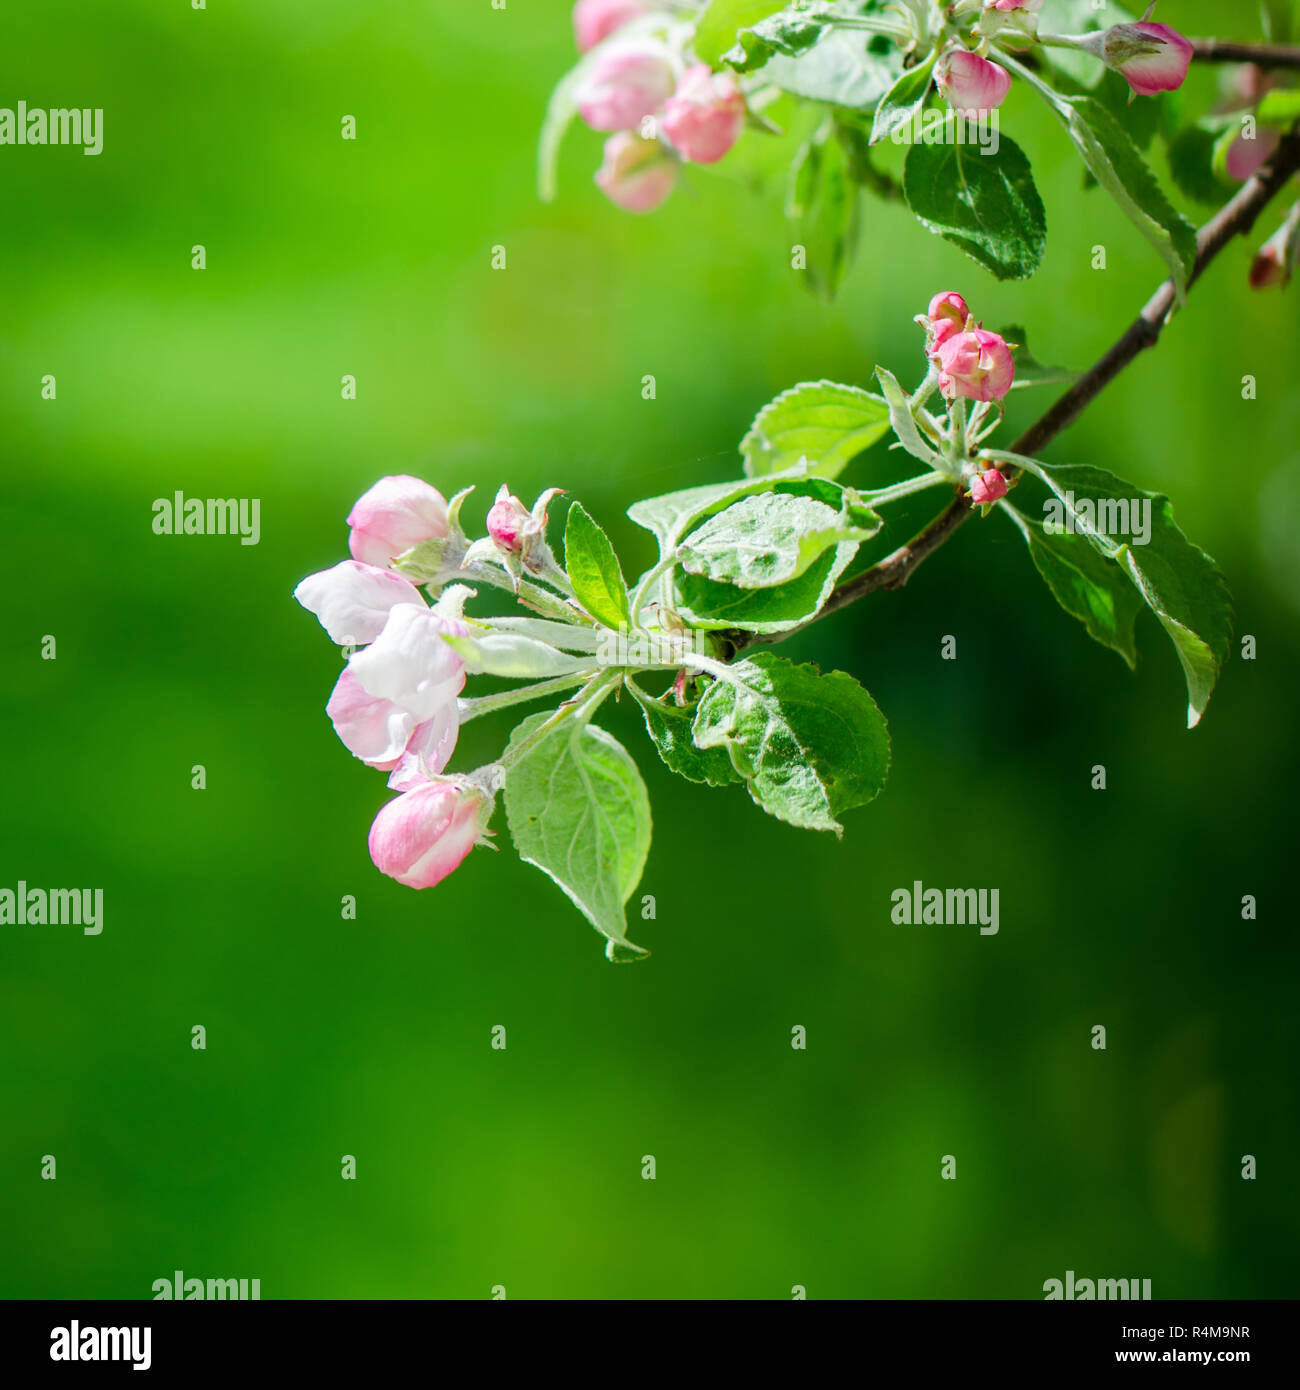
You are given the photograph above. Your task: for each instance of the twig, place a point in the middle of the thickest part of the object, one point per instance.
(1235, 219)
(1264, 55)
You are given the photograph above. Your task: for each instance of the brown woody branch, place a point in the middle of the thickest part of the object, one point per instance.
(1264, 55)
(1237, 218)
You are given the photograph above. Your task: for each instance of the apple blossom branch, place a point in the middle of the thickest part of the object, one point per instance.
(1236, 218)
(1264, 55)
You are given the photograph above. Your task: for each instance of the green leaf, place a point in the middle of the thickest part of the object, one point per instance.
(1086, 584)
(985, 204)
(578, 809)
(1280, 109)
(903, 100)
(1029, 370)
(789, 31)
(593, 570)
(718, 25)
(822, 211)
(1192, 164)
(707, 604)
(821, 421)
(1181, 585)
(903, 421)
(767, 540)
(845, 68)
(669, 727)
(1117, 164)
(671, 516)
(810, 747)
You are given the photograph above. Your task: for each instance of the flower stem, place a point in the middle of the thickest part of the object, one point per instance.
(476, 705)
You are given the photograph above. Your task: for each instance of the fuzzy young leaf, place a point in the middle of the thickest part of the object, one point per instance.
(578, 810)
(670, 729)
(903, 100)
(822, 211)
(986, 204)
(903, 421)
(767, 540)
(671, 516)
(810, 747)
(821, 421)
(844, 68)
(1086, 584)
(1117, 164)
(1181, 585)
(594, 570)
(563, 635)
(707, 604)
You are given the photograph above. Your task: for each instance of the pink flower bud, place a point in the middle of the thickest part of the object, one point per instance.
(1247, 157)
(636, 174)
(594, 20)
(506, 520)
(353, 600)
(628, 83)
(1152, 58)
(705, 115)
(396, 513)
(988, 487)
(1006, 6)
(1275, 264)
(948, 314)
(971, 83)
(977, 365)
(425, 833)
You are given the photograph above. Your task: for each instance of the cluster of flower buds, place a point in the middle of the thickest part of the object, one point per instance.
(660, 108)
(971, 362)
(1151, 57)
(395, 705)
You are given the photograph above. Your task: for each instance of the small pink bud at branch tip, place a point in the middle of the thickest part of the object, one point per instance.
(987, 488)
(970, 83)
(507, 519)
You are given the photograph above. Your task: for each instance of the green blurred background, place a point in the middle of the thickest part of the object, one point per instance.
(328, 1037)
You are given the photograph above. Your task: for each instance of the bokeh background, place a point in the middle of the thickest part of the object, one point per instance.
(328, 1037)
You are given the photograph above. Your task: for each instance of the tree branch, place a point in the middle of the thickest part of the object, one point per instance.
(1237, 218)
(1264, 55)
